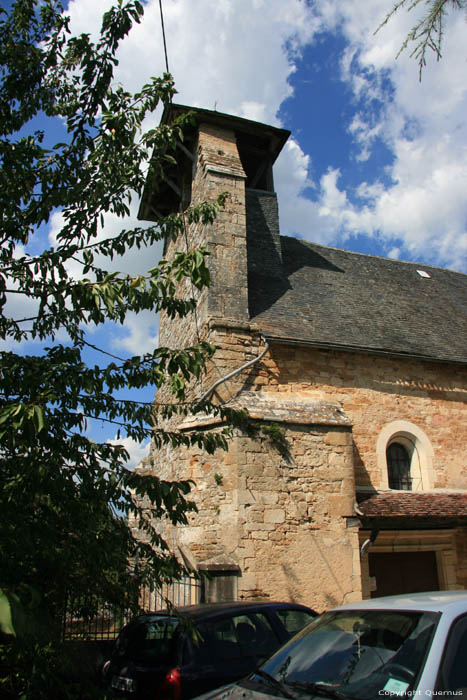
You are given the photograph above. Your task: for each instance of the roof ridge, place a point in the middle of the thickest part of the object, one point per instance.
(377, 257)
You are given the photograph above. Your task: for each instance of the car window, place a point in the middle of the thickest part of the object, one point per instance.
(236, 636)
(294, 620)
(151, 640)
(453, 671)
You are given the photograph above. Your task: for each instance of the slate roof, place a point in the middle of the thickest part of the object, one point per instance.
(399, 509)
(335, 298)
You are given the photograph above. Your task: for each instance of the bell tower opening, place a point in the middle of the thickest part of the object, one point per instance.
(258, 146)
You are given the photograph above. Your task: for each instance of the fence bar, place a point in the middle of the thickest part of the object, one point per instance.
(106, 621)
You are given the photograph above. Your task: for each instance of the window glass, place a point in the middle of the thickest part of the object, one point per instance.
(398, 461)
(453, 674)
(238, 636)
(294, 620)
(149, 640)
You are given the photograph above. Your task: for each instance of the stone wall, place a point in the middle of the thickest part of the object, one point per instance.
(282, 520)
(374, 391)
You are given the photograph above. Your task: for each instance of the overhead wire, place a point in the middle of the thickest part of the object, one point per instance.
(163, 37)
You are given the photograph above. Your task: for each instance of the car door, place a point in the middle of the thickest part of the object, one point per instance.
(452, 679)
(231, 647)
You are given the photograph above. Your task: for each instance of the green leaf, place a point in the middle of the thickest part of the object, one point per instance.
(6, 621)
(38, 418)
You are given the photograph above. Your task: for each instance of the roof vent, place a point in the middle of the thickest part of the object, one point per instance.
(423, 273)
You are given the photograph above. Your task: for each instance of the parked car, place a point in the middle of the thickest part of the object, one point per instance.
(407, 645)
(169, 656)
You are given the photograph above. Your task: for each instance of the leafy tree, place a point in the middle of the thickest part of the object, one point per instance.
(65, 500)
(428, 32)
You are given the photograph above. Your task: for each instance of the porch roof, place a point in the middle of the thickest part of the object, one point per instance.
(409, 509)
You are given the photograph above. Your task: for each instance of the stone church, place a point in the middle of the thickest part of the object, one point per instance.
(360, 360)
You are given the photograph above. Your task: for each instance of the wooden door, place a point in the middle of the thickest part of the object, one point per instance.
(403, 572)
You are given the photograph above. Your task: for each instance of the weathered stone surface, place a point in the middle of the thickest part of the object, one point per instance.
(274, 516)
(291, 408)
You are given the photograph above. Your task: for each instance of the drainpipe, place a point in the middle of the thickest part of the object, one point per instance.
(367, 544)
(250, 363)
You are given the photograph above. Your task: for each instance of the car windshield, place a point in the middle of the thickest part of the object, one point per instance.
(150, 640)
(354, 654)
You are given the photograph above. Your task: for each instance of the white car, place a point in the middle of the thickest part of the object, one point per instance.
(412, 645)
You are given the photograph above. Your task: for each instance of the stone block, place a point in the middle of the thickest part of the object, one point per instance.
(246, 549)
(268, 497)
(248, 581)
(259, 535)
(255, 516)
(291, 511)
(339, 459)
(338, 439)
(277, 515)
(245, 497)
(340, 505)
(250, 527)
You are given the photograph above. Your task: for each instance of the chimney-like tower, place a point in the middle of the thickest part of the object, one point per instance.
(221, 153)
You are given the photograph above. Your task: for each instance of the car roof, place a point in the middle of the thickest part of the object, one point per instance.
(436, 601)
(207, 609)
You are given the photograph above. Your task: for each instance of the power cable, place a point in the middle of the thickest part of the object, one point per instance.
(163, 37)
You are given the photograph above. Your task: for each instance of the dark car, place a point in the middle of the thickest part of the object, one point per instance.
(176, 656)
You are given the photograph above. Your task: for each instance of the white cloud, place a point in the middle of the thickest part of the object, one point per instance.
(136, 450)
(394, 253)
(230, 54)
(238, 56)
(140, 333)
(422, 124)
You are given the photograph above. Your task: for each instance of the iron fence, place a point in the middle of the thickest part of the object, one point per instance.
(93, 620)
(187, 591)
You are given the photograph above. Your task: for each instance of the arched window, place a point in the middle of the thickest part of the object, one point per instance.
(405, 457)
(398, 461)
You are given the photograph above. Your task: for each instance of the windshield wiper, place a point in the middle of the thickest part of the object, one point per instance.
(274, 683)
(319, 688)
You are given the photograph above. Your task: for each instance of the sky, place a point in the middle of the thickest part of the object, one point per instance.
(377, 160)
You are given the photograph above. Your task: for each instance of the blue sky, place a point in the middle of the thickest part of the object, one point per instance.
(377, 161)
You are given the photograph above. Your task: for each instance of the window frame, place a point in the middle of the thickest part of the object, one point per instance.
(419, 447)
